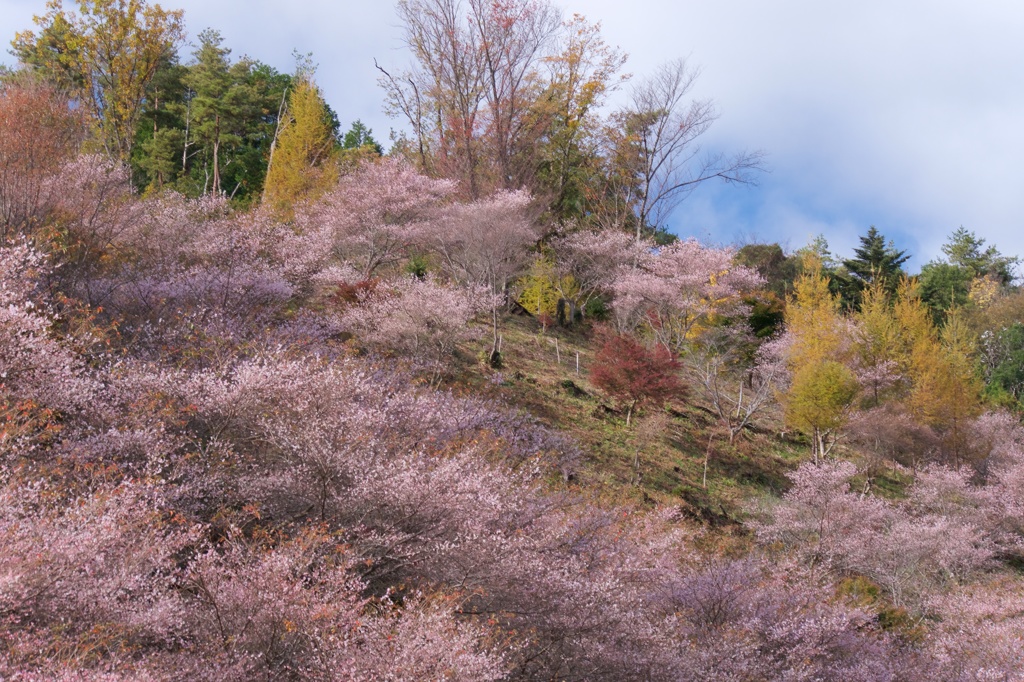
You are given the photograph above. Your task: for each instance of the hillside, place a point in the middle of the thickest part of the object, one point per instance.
(292, 408)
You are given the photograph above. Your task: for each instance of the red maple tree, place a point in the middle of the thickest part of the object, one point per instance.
(632, 373)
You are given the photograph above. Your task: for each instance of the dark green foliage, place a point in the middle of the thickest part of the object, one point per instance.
(875, 259)
(1003, 355)
(767, 315)
(778, 269)
(947, 284)
(360, 136)
(596, 309)
(964, 250)
(207, 126)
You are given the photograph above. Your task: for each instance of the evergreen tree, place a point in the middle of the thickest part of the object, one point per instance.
(160, 135)
(221, 102)
(964, 250)
(875, 259)
(359, 136)
(946, 284)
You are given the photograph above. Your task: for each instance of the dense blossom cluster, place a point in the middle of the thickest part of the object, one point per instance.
(211, 468)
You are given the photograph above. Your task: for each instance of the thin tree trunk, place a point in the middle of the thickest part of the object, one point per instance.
(273, 143)
(216, 156)
(707, 458)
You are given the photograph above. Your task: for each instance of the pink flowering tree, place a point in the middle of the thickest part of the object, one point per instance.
(41, 379)
(420, 319)
(679, 289)
(371, 219)
(594, 260)
(485, 243)
(912, 551)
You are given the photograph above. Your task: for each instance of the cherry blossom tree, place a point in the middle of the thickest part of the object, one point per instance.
(676, 290)
(593, 261)
(371, 218)
(485, 243)
(911, 552)
(416, 318)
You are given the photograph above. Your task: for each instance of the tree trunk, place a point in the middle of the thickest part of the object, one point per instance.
(707, 459)
(216, 158)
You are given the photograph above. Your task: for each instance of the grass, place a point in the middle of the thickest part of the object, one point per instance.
(671, 461)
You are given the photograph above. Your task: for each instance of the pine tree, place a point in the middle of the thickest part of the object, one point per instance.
(875, 260)
(221, 104)
(360, 136)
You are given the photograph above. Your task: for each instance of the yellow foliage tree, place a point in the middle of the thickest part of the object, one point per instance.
(543, 287)
(945, 390)
(877, 342)
(822, 388)
(818, 400)
(918, 339)
(303, 161)
(110, 52)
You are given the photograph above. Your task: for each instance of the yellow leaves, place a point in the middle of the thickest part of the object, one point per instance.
(110, 51)
(984, 290)
(822, 387)
(944, 389)
(813, 318)
(542, 288)
(819, 395)
(303, 161)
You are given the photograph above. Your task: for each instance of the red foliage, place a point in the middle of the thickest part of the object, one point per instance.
(633, 373)
(39, 132)
(349, 293)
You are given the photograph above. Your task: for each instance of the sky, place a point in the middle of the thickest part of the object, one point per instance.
(903, 114)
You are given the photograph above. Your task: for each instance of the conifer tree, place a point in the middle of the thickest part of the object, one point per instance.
(822, 388)
(813, 315)
(875, 260)
(945, 390)
(878, 342)
(303, 159)
(222, 101)
(916, 330)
